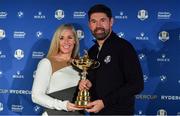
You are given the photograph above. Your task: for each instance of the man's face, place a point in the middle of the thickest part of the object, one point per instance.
(100, 25)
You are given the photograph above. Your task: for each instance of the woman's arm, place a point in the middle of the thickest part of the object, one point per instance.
(40, 87)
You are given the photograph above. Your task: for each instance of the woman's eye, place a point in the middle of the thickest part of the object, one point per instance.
(61, 38)
(70, 38)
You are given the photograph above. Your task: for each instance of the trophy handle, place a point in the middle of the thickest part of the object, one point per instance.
(85, 52)
(96, 64)
(73, 61)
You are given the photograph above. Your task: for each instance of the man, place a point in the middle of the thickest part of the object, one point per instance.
(118, 79)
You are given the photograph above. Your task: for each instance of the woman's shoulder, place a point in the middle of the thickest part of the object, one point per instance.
(44, 61)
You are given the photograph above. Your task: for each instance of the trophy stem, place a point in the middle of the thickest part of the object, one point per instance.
(83, 97)
(84, 73)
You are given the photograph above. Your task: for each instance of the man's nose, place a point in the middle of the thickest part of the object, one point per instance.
(98, 24)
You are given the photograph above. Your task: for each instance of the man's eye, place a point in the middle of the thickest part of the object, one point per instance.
(93, 21)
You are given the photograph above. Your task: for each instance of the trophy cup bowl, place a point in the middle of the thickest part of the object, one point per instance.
(84, 63)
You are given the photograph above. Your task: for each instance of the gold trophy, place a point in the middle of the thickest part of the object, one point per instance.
(84, 63)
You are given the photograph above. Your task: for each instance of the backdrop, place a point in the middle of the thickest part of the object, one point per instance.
(153, 27)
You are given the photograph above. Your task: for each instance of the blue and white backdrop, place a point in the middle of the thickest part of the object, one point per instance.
(153, 27)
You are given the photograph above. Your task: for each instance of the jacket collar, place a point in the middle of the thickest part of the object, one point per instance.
(107, 40)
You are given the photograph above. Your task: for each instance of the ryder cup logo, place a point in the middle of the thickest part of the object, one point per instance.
(163, 36)
(19, 54)
(80, 34)
(59, 14)
(2, 34)
(161, 112)
(1, 107)
(107, 59)
(142, 15)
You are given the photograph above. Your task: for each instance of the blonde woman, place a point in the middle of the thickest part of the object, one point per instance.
(55, 75)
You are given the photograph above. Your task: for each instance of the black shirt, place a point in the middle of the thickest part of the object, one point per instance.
(119, 76)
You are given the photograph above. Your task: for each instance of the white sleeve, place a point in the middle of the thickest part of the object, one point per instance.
(40, 86)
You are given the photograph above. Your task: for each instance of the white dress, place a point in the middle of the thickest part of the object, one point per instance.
(46, 82)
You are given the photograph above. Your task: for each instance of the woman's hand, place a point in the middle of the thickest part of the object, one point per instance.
(72, 107)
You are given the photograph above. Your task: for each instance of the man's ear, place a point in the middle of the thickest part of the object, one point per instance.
(111, 21)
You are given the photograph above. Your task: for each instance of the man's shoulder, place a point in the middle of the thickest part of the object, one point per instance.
(122, 42)
(116, 39)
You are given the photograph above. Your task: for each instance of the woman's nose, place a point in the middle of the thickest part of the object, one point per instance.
(66, 40)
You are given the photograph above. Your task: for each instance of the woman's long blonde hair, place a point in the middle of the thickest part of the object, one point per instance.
(55, 43)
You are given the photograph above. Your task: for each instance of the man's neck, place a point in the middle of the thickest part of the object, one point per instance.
(101, 42)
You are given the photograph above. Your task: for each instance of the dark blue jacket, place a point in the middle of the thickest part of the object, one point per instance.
(119, 77)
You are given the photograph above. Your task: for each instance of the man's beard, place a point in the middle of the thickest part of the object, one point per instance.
(101, 36)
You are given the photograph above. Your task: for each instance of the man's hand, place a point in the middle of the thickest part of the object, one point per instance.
(96, 106)
(85, 84)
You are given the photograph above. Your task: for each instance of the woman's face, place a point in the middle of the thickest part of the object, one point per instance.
(67, 41)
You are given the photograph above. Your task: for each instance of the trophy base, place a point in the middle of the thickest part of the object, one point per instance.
(82, 104)
(83, 107)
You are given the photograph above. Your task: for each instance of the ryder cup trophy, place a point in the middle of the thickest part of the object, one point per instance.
(84, 63)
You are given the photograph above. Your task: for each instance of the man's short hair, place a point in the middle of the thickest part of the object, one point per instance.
(100, 8)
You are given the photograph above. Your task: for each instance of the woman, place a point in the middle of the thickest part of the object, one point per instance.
(54, 74)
